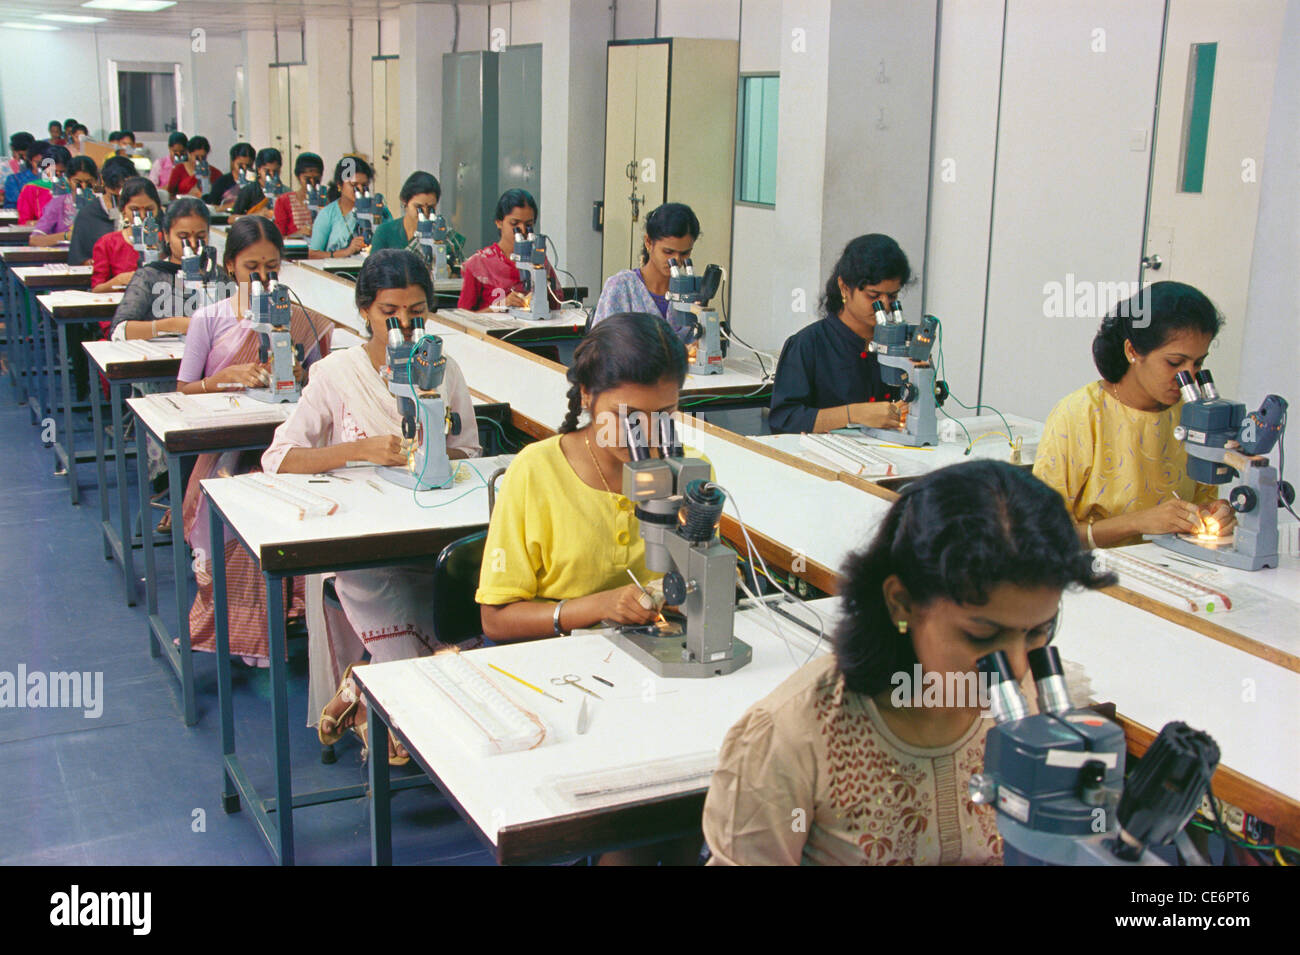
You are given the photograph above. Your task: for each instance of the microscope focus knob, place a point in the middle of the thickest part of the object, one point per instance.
(1285, 494)
(674, 589)
(983, 789)
(1243, 499)
(1180, 433)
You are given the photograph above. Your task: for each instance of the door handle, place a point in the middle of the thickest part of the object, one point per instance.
(1151, 262)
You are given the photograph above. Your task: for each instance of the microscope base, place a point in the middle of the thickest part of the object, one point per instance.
(269, 396)
(527, 315)
(1025, 846)
(899, 437)
(707, 368)
(663, 655)
(406, 478)
(1225, 554)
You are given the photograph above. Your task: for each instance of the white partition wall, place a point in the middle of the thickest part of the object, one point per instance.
(1078, 98)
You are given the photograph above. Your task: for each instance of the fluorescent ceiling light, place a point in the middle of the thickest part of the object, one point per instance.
(27, 26)
(131, 6)
(69, 18)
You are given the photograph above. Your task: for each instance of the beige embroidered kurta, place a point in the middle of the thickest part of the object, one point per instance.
(811, 775)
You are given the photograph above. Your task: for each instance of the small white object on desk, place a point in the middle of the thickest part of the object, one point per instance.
(475, 710)
(306, 503)
(1164, 583)
(848, 453)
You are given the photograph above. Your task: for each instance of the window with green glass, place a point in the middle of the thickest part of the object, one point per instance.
(1196, 116)
(756, 146)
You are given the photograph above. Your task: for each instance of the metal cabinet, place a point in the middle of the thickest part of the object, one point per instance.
(491, 137)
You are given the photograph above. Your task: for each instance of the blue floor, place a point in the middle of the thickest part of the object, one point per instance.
(135, 785)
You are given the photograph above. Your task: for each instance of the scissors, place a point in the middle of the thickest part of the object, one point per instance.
(571, 679)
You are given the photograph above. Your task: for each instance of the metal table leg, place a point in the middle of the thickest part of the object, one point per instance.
(101, 473)
(47, 335)
(280, 715)
(180, 575)
(35, 373)
(381, 809)
(124, 500)
(66, 449)
(150, 569)
(225, 701)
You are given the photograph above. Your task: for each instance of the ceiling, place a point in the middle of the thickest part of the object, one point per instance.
(215, 16)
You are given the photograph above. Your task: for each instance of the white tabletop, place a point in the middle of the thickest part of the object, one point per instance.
(493, 321)
(641, 719)
(913, 462)
(52, 268)
(7, 251)
(1265, 605)
(120, 356)
(12, 228)
(363, 511)
(173, 414)
(77, 298)
(1155, 671)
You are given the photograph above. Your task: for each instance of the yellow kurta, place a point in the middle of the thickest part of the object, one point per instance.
(553, 537)
(1106, 458)
(812, 775)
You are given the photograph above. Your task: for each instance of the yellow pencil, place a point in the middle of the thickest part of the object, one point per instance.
(524, 682)
(906, 447)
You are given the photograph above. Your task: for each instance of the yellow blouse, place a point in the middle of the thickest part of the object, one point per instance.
(553, 537)
(812, 775)
(1106, 458)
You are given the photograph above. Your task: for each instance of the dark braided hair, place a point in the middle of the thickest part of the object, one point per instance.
(630, 348)
(1148, 320)
(956, 533)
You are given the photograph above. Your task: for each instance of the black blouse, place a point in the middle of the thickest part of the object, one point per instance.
(824, 365)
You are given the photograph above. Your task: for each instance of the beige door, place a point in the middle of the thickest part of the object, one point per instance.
(279, 111)
(636, 120)
(386, 119)
(1205, 238)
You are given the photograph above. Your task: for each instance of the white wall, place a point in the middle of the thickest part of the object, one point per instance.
(796, 270)
(1271, 346)
(45, 76)
(708, 20)
(961, 184)
(574, 37)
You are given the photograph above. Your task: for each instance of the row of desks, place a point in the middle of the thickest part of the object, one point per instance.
(808, 517)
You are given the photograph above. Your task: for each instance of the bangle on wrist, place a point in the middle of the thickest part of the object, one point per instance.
(204, 383)
(555, 618)
(848, 415)
(1092, 541)
(154, 332)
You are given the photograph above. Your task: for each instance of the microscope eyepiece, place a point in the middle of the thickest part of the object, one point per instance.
(1005, 699)
(1049, 680)
(1206, 381)
(1187, 385)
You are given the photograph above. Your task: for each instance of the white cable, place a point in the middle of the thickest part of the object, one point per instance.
(767, 375)
(752, 553)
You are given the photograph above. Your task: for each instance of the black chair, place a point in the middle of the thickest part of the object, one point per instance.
(455, 579)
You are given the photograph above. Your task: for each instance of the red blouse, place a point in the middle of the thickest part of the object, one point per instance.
(112, 256)
(182, 182)
(488, 276)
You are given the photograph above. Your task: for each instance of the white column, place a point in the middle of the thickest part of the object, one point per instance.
(574, 37)
(425, 35)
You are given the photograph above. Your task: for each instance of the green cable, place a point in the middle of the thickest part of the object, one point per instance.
(943, 374)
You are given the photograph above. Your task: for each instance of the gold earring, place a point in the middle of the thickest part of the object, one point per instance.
(902, 626)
